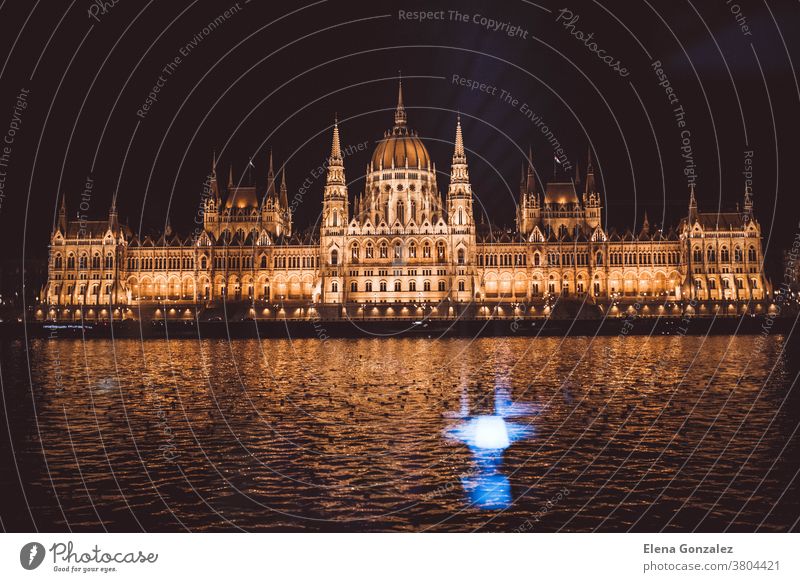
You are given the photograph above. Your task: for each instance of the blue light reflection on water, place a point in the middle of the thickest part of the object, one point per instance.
(487, 436)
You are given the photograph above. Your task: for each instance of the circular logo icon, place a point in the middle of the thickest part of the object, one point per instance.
(31, 555)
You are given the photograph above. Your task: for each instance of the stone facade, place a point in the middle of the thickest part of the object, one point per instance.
(401, 249)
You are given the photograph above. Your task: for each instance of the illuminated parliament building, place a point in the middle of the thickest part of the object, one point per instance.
(400, 248)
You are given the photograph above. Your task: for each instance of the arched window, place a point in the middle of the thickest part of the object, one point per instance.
(460, 215)
(461, 286)
(83, 261)
(382, 286)
(751, 254)
(354, 251)
(599, 261)
(335, 218)
(109, 261)
(440, 256)
(426, 250)
(263, 261)
(334, 257)
(442, 286)
(398, 250)
(401, 213)
(426, 285)
(369, 252)
(412, 285)
(384, 250)
(711, 254)
(412, 250)
(460, 256)
(737, 254)
(335, 287)
(697, 255)
(397, 286)
(204, 262)
(368, 286)
(536, 259)
(353, 286)
(58, 262)
(725, 255)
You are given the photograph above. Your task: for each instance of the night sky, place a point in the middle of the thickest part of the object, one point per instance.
(273, 75)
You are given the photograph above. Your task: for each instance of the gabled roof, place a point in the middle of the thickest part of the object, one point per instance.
(86, 229)
(722, 220)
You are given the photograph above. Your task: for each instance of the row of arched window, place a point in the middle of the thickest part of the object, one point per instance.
(724, 254)
(382, 286)
(503, 260)
(412, 250)
(83, 261)
(398, 286)
(160, 263)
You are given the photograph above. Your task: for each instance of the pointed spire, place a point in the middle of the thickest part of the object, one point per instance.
(459, 174)
(400, 113)
(284, 192)
(336, 146)
(62, 213)
(335, 161)
(530, 186)
(212, 182)
(645, 223)
(270, 178)
(459, 149)
(590, 183)
(230, 176)
(577, 173)
(112, 213)
(692, 203)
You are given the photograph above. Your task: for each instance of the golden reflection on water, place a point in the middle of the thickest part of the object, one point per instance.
(357, 434)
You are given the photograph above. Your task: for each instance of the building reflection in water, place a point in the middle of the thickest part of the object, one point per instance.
(487, 436)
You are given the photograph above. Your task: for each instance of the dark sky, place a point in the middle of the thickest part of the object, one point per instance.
(274, 74)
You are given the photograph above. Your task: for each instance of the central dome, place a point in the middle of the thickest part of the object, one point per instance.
(400, 145)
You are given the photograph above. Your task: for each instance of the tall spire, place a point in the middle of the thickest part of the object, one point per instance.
(112, 213)
(270, 178)
(62, 214)
(590, 183)
(230, 176)
(400, 113)
(530, 186)
(284, 191)
(459, 192)
(692, 203)
(336, 161)
(459, 149)
(336, 146)
(459, 173)
(212, 182)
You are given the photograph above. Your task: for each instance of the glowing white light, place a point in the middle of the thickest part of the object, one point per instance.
(490, 432)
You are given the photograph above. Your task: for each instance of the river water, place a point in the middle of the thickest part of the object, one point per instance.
(496, 434)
